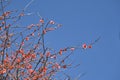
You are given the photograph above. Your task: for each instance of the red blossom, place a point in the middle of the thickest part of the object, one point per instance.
(84, 46)
(33, 55)
(44, 69)
(30, 71)
(89, 46)
(21, 51)
(27, 38)
(64, 66)
(48, 54)
(3, 71)
(41, 20)
(6, 13)
(1, 17)
(56, 65)
(52, 22)
(32, 34)
(72, 49)
(53, 56)
(60, 52)
(28, 66)
(44, 31)
(6, 60)
(18, 60)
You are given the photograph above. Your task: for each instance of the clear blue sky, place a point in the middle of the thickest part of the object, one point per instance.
(83, 21)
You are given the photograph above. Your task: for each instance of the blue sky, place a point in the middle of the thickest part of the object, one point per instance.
(83, 22)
